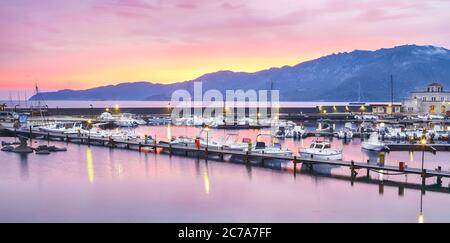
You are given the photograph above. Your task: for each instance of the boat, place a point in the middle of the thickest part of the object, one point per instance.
(321, 150)
(260, 147)
(373, 143)
(345, 134)
(65, 128)
(288, 129)
(323, 128)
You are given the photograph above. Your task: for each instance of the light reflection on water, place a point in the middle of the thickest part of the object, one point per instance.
(146, 187)
(90, 165)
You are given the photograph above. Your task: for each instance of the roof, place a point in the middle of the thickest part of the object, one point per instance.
(435, 84)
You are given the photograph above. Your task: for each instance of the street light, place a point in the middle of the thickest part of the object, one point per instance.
(89, 122)
(207, 137)
(423, 141)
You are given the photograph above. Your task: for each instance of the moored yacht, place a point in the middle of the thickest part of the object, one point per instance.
(373, 143)
(321, 150)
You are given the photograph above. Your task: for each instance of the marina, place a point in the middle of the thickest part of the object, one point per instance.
(217, 119)
(103, 163)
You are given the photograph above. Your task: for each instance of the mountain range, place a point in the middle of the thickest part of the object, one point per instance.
(349, 76)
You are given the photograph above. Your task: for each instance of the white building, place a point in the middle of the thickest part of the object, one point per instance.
(433, 100)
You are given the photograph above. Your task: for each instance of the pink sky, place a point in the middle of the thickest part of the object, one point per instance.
(80, 44)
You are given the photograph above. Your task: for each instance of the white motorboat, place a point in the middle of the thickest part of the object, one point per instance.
(326, 127)
(373, 143)
(65, 128)
(321, 150)
(125, 120)
(262, 148)
(231, 143)
(106, 117)
(345, 134)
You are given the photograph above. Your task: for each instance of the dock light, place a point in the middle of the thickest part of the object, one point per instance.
(258, 114)
(423, 141)
(334, 108)
(324, 111)
(362, 108)
(89, 121)
(346, 108)
(382, 124)
(107, 109)
(117, 107)
(207, 137)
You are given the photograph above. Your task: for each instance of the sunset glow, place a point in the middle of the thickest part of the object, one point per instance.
(82, 44)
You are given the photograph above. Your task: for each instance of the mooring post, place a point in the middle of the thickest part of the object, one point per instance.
(352, 167)
(31, 134)
(140, 143)
(368, 171)
(48, 138)
(246, 157)
(89, 140)
(262, 158)
(295, 166)
(170, 148)
(401, 190)
(439, 178)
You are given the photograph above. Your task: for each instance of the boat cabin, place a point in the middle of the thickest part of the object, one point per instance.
(320, 145)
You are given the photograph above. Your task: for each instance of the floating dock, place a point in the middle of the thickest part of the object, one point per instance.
(140, 144)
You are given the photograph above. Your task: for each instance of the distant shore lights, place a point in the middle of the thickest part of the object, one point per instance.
(237, 103)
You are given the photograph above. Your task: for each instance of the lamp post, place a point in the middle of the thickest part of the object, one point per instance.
(89, 123)
(92, 110)
(423, 141)
(207, 137)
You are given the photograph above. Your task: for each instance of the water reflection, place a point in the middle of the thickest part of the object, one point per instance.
(249, 171)
(24, 170)
(90, 165)
(206, 178)
(169, 132)
(421, 218)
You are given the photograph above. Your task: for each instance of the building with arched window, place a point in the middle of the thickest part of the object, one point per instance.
(433, 100)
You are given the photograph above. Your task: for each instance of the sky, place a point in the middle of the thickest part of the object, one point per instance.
(78, 44)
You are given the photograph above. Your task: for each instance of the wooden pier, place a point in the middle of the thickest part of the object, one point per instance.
(140, 145)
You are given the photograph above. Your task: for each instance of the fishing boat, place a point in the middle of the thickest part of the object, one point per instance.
(373, 143)
(321, 150)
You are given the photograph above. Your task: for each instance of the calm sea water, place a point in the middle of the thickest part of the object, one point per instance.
(96, 184)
